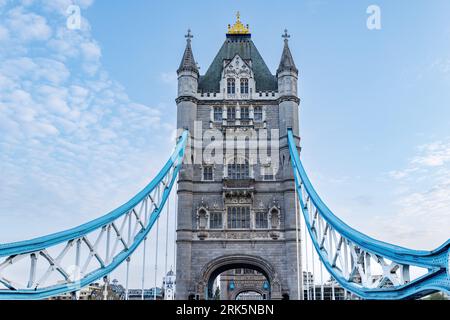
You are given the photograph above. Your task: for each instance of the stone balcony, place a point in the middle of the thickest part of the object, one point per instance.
(238, 187)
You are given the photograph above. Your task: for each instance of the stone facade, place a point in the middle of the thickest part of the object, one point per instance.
(210, 239)
(243, 284)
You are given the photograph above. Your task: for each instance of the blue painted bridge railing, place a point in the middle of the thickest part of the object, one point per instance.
(67, 261)
(369, 268)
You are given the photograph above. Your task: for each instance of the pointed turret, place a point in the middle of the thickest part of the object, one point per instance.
(188, 62)
(188, 74)
(287, 75)
(287, 62)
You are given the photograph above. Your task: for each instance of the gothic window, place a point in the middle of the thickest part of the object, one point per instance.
(217, 114)
(244, 86)
(261, 221)
(207, 173)
(238, 171)
(231, 86)
(215, 220)
(231, 113)
(258, 114)
(238, 217)
(245, 113)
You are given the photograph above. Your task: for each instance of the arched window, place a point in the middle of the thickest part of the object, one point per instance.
(244, 86)
(231, 86)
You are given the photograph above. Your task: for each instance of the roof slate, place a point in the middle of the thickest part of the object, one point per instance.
(246, 49)
(287, 62)
(188, 62)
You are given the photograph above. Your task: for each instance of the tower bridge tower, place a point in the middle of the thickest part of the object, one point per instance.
(237, 211)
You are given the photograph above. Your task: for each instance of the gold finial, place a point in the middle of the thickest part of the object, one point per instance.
(238, 27)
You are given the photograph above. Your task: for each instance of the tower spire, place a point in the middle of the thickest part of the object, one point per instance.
(287, 62)
(188, 62)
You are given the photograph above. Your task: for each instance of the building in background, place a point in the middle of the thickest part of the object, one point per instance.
(96, 291)
(243, 284)
(149, 294)
(169, 285)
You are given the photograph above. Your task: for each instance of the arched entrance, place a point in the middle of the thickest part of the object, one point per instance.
(232, 262)
(250, 294)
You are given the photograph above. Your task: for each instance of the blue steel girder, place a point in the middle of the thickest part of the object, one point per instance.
(369, 268)
(108, 241)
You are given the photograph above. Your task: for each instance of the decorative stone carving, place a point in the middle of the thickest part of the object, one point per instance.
(276, 288)
(237, 68)
(238, 197)
(202, 219)
(274, 217)
(275, 235)
(202, 235)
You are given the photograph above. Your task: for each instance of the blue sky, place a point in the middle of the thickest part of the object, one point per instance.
(86, 116)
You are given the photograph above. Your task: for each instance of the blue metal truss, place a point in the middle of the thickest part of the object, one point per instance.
(349, 255)
(155, 194)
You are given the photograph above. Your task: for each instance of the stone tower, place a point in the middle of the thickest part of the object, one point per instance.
(236, 209)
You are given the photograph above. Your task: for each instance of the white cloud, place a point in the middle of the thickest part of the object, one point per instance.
(4, 33)
(422, 216)
(91, 51)
(27, 26)
(73, 145)
(441, 65)
(170, 78)
(434, 155)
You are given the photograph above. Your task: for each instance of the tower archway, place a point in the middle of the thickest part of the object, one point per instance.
(225, 263)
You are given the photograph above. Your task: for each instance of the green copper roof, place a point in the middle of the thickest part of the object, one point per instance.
(245, 48)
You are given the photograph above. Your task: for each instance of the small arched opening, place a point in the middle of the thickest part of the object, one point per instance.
(251, 294)
(237, 277)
